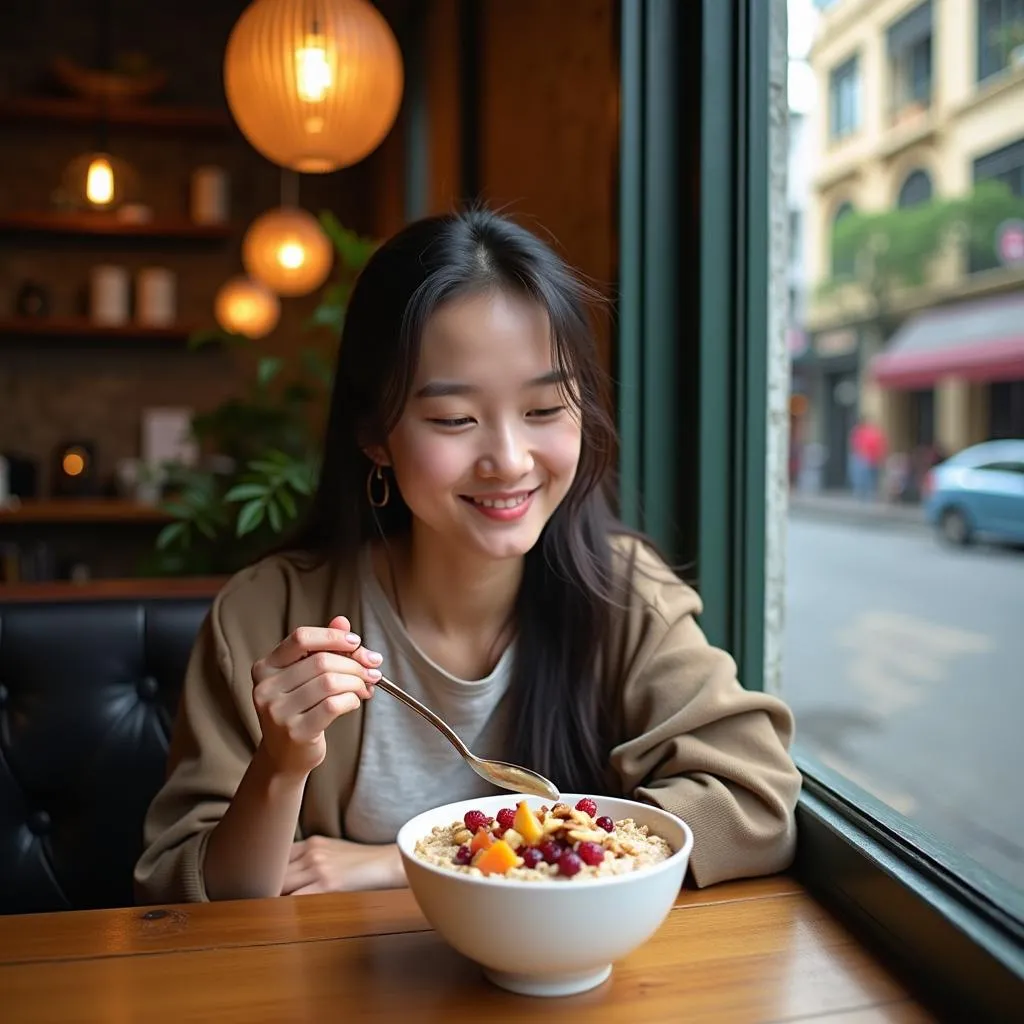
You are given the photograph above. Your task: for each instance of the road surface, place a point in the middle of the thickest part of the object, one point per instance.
(904, 664)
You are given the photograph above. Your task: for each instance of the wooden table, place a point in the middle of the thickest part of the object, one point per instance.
(752, 951)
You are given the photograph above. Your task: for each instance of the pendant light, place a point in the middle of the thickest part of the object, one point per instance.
(244, 306)
(314, 85)
(285, 248)
(97, 180)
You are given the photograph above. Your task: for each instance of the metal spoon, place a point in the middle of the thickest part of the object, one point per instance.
(500, 773)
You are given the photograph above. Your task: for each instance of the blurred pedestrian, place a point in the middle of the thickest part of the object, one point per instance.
(867, 453)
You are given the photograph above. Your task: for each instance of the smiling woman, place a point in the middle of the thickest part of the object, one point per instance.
(461, 538)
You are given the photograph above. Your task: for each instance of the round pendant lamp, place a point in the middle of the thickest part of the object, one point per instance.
(314, 85)
(286, 250)
(246, 307)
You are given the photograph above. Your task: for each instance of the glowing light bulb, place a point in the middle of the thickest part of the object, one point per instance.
(99, 181)
(291, 255)
(74, 464)
(313, 75)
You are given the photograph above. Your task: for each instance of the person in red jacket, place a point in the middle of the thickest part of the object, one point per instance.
(867, 453)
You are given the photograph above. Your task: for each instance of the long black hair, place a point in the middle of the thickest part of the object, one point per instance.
(563, 724)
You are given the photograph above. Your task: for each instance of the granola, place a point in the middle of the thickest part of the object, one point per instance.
(558, 843)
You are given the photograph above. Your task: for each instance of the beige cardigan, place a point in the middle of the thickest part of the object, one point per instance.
(692, 740)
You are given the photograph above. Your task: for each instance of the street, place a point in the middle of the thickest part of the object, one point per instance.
(904, 665)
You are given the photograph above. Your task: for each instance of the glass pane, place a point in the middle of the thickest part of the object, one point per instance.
(904, 646)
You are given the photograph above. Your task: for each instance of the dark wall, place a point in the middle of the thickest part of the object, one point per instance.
(547, 122)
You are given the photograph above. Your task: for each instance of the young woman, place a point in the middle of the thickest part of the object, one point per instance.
(461, 541)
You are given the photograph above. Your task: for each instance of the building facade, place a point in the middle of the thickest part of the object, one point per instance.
(918, 100)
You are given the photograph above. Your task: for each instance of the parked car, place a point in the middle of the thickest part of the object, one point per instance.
(979, 492)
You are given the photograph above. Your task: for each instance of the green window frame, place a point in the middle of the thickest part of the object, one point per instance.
(692, 391)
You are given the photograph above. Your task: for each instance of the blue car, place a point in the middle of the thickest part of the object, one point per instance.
(979, 493)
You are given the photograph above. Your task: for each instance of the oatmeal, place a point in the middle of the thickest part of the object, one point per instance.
(556, 843)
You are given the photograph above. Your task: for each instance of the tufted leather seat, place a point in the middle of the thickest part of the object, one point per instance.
(88, 693)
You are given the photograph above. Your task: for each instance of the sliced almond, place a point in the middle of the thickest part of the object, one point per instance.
(561, 811)
(553, 825)
(587, 835)
(582, 818)
(513, 838)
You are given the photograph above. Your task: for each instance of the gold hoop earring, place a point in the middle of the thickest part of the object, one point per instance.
(385, 497)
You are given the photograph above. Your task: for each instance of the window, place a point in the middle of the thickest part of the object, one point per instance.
(844, 99)
(1000, 36)
(909, 43)
(922, 423)
(915, 190)
(843, 265)
(1005, 165)
(896, 648)
(1006, 409)
(871, 680)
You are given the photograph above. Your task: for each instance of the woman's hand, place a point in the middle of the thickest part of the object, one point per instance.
(319, 864)
(308, 680)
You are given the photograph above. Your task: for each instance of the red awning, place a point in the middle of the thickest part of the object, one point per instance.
(979, 341)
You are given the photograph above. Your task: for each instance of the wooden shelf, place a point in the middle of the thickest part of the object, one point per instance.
(105, 225)
(55, 110)
(78, 328)
(81, 510)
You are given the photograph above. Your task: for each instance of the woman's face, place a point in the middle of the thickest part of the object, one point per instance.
(487, 446)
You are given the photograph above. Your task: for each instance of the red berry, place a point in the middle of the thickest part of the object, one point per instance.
(532, 857)
(569, 864)
(506, 816)
(550, 851)
(476, 820)
(606, 823)
(591, 853)
(463, 855)
(587, 806)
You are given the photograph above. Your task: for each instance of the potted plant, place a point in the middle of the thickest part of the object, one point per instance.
(260, 449)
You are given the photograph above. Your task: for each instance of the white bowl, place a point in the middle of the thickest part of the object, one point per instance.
(552, 938)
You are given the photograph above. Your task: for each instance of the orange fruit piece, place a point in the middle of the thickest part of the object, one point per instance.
(498, 858)
(528, 825)
(483, 840)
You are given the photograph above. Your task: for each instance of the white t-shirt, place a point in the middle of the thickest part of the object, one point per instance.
(405, 765)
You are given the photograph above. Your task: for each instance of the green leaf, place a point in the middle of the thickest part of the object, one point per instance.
(302, 478)
(274, 515)
(242, 492)
(250, 517)
(170, 533)
(326, 315)
(284, 496)
(206, 528)
(268, 368)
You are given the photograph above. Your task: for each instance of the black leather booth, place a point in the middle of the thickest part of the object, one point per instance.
(88, 692)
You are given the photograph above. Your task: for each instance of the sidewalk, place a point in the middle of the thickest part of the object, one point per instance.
(840, 507)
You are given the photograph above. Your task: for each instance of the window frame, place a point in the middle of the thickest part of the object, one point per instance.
(933, 913)
(915, 175)
(982, 52)
(904, 40)
(848, 69)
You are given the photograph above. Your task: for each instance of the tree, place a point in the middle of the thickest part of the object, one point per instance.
(891, 249)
